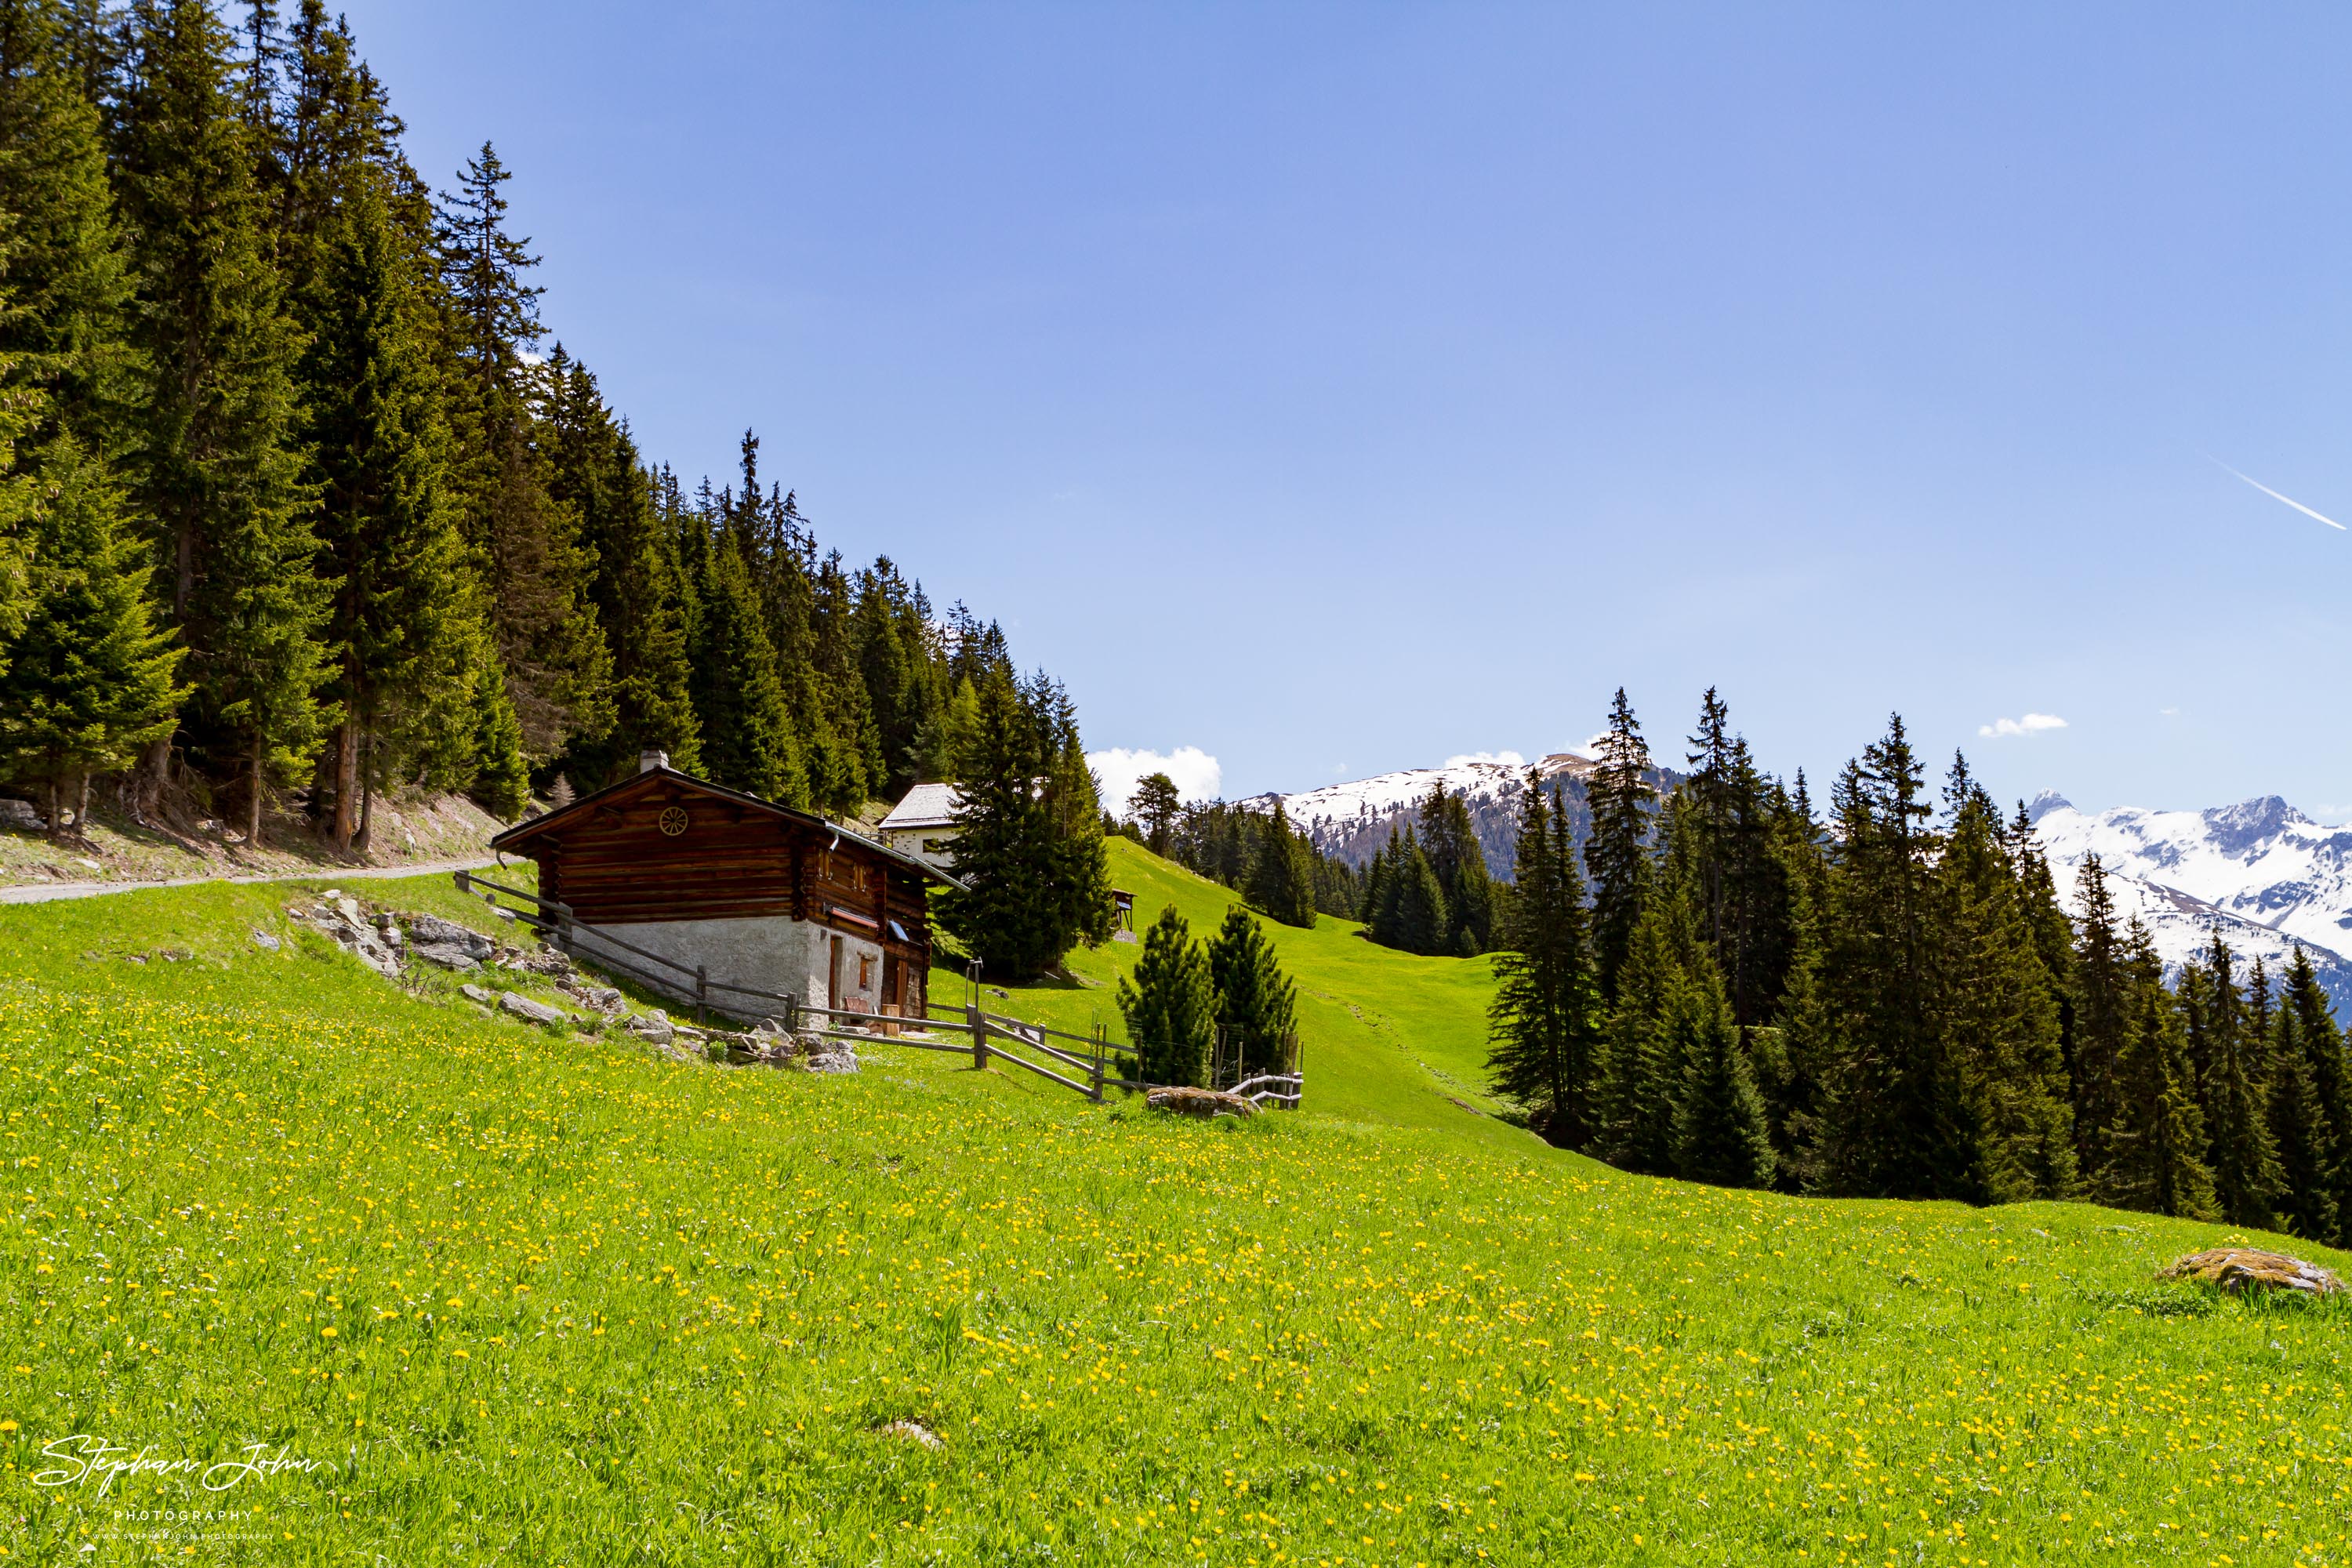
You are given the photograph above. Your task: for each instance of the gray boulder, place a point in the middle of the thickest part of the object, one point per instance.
(447, 956)
(23, 815)
(605, 999)
(264, 941)
(654, 1026)
(431, 930)
(842, 1060)
(522, 1006)
(476, 994)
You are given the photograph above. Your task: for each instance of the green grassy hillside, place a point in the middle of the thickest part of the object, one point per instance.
(552, 1299)
(1384, 1037)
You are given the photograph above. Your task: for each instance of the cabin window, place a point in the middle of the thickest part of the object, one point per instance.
(865, 972)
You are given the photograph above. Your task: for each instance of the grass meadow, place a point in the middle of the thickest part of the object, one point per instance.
(497, 1294)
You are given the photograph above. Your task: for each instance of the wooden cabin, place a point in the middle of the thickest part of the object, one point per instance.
(752, 893)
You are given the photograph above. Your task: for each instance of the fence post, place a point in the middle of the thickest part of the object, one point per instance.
(1099, 1064)
(979, 1022)
(701, 996)
(791, 1015)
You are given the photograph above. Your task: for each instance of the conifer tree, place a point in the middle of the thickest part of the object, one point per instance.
(1999, 1021)
(2298, 1121)
(1889, 1130)
(739, 697)
(1542, 1024)
(1154, 806)
(212, 454)
(493, 749)
(1410, 914)
(66, 331)
(1641, 1071)
(1616, 856)
(2108, 1116)
(2247, 1182)
(1256, 1005)
(2322, 1044)
(1719, 1132)
(87, 683)
(1450, 841)
(1078, 879)
(1006, 913)
(1169, 1004)
(639, 588)
(2155, 1160)
(557, 663)
(1281, 882)
(401, 602)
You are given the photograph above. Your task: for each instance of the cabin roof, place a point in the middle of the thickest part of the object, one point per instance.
(519, 838)
(926, 805)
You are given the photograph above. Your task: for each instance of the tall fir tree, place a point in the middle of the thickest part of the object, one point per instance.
(87, 683)
(1889, 1130)
(738, 695)
(1641, 1070)
(403, 612)
(1997, 1019)
(2322, 1045)
(64, 334)
(2247, 1182)
(2298, 1121)
(1617, 854)
(1169, 1004)
(1281, 882)
(639, 588)
(1450, 841)
(1542, 1024)
(1154, 806)
(1258, 1005)
(212, 455)
(1005, 914)
(557, 663)
(2104, 1017)
(1720, 1134)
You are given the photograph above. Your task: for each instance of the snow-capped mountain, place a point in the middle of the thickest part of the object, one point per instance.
(1350, 821)
(2268, 876)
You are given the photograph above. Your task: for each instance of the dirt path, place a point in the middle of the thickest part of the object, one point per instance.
(43, 892)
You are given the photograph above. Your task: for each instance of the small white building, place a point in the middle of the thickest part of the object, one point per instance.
(924, 825)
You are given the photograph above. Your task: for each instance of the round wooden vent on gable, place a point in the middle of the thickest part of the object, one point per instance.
(673, 821)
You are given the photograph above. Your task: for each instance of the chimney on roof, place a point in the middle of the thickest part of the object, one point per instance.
(647, 761)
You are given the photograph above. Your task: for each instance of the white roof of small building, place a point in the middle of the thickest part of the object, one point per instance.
(926, 805)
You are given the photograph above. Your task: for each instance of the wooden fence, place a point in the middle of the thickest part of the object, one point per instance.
(988, 1035)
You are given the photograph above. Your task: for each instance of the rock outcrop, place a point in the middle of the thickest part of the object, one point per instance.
(2249, 1268)
(1201, 1102)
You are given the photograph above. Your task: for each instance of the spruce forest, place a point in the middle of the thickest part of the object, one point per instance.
(304, 504)
(1893, 1000)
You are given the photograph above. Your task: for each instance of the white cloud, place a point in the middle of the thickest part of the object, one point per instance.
(1198, 775)
(1509, 759)
(2031, 724)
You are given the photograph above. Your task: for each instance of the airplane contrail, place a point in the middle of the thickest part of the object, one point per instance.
(2275, 496)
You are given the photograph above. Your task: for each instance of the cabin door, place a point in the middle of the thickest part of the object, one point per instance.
(891, 970)
(832, 977)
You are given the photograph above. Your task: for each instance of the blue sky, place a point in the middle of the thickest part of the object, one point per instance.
(1339, 389)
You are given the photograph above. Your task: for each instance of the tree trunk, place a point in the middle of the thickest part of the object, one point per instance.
(56, 811)
(367, 786)
(253, 807)
(347, 768)
(142, 793)
(81, 810)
